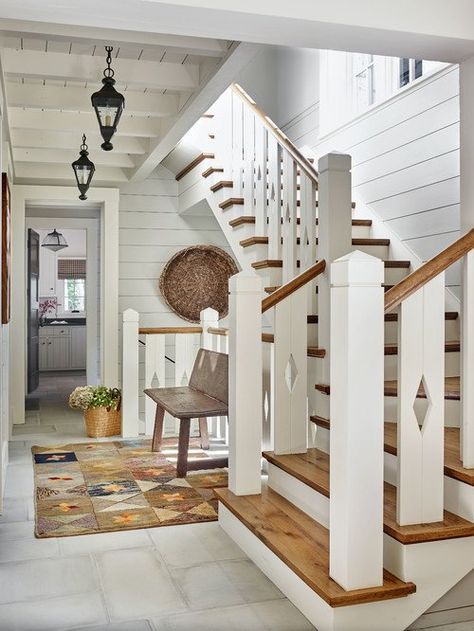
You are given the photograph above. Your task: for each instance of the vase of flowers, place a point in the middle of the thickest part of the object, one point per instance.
(101, 407)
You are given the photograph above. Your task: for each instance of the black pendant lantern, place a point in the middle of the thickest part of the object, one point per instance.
(83, 169)
(54, 241)
(108, 104)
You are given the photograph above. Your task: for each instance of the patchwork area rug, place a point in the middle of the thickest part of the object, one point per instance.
(96, 487)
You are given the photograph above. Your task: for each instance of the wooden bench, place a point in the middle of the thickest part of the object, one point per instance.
(206, 395)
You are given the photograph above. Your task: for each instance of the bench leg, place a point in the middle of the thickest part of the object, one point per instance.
(183, 447)
(203, 432)
(158, 431)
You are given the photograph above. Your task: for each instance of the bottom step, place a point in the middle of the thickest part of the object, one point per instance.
(303, 545)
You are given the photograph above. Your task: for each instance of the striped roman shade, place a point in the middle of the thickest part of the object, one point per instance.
(71, 268)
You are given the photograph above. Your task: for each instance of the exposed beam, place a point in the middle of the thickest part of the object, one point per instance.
(240, 56)
(80, 121)
(204, 46)
(66, 156)
(48, 65)
(31, 138)
(76, 99)
(63, 173)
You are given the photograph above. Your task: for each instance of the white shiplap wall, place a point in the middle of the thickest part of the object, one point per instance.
(151, 232)
(405, 156)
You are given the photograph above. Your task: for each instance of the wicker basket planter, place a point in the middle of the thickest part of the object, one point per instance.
(101, 422)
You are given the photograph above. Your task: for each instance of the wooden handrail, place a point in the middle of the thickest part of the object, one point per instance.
(414, 281)
(218, 330)
(163, 330)
(298, 157)
(286, 290)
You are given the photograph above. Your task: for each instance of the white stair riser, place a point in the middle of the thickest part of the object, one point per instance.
(394, 275)
(451, 365)
(451, 411)
(380, 251)
(452, 331)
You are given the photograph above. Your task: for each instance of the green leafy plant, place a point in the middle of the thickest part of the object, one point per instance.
(87, 397)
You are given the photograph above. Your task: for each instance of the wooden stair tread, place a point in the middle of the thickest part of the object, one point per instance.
(449, 315)
(212, 170)
(193, 164)
(451, 392)
(251, 218)
(370, 241)
(231, 201)
(449, 347)
(453, 467)
(261, 240)
(303, 545)
(312, 469)
(267, 263)
(222, 184)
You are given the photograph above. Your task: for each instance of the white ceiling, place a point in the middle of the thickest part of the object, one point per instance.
(49, 75)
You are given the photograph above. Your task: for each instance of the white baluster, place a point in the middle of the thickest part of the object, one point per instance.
(209, 319)
(289, 218)
(307, 249)
(268, 396)
(421, 450)
(357, 430)
(467, 362)
(261, 228)
(290, 375)
(245, 384)
(237, 144)
(154, 375)
(274, 212)
(249, 161)
(222, 116)
(130, 383)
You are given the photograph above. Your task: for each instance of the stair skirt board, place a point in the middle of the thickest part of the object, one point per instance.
(426, 563)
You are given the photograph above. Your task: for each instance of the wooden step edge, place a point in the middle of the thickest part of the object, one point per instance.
(267, 263)
(193, 164)
(312, 469)
(320, 421)
(245, 243)
(303, 545)
(449, 347)
(232, 201)
(325, 388)
(270, 290)
(451, 391)
(207, 115)
(239, 221)
(449, 315)
(222, 184)
(312, 351)
(312, 319)
(391, 264)
(212, 170)
(370, 241)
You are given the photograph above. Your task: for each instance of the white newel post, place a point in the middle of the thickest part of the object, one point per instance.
(209, 319)
(357, 421)
(334, 236)
(130, 384)
(245, 384)
(290, 380)
(420, 431)
(467, 362)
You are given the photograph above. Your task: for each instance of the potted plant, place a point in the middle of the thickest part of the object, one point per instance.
(101, 407)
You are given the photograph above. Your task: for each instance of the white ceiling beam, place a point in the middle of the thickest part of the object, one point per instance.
(33, 138)
(48, 65)
(67, 156)
(81, 122)
(240, 56)
(207, 47)
(75, 99)
(63, 173)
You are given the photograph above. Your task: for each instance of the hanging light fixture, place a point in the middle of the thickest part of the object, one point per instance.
(108, 104)
(83, 169)
(54, 241)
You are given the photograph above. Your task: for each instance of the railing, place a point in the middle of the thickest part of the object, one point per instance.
(144, 366)
(277, 183)
(358, 305)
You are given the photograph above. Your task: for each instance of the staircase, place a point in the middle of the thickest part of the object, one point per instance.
(387, 529)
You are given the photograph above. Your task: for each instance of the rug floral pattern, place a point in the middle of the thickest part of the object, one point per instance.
(96, 487)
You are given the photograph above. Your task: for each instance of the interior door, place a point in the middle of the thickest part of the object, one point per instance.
(33, 310)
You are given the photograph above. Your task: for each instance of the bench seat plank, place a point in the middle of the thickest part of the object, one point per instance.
(186, 402)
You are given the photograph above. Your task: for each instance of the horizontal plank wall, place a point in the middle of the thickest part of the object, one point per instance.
(151, 232)
(405, 156)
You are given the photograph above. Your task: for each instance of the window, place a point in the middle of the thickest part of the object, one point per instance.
(364, 81)
(410, 69)
(74, 292)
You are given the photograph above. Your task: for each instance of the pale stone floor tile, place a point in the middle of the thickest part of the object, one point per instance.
(241, 618)
(53, 614)
(89, 544)
(16, 530)
(137, 585)
(26, 549)
(14, 509)
(130, 625)
(19, 482)
(280, 615)
(192, 544)
(251, 582)
(46, 578)
(457, 626)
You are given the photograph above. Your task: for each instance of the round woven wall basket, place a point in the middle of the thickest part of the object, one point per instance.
(197, 278)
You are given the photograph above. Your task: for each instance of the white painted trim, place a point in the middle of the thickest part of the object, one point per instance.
(91, 226)
(108, 199)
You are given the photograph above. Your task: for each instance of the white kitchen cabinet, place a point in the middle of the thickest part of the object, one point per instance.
(62, 347)
(48, 273)
(78, 347)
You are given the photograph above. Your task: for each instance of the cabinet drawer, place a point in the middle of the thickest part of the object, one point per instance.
(55, 331)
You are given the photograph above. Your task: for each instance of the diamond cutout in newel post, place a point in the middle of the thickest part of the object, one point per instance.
(422, 406)
(291, 373)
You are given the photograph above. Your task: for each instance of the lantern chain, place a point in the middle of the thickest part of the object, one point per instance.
(108, 72)
(83, 146)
